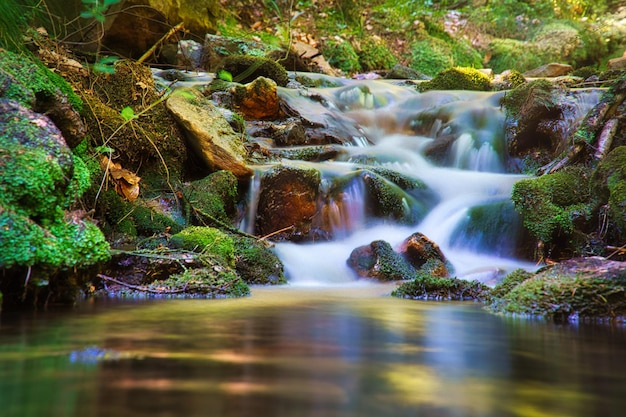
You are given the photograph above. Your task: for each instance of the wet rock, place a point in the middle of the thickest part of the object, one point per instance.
(533, 111)
(549, 70)
(287, 202)
(419, 249)
(378, 260)
(576, 289)
(389, 200)
(209, 135)
(189, 55)
(256, 263)
(257, 100)
(289, 132)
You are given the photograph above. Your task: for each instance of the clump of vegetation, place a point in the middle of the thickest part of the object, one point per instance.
(132, 219)
(561, 297)
(509, 54)
(341, 54)
(511, 281)
(458, 78)
(430, 56)
(212, 198)
(375, 55)
(256, 263)
(554, 204)
(245, 69)
(208, 240)
(428, 287)
(208, 282)
(510, 80)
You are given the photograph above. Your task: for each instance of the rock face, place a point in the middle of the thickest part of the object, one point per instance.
(208, 132)
(288, 200)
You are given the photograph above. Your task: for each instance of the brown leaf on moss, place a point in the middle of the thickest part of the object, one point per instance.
(126, 182)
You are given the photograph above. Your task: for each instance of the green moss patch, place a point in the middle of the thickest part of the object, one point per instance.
(429, 287)
(571, 290)
(256, 263)
(207, 240)
(551, 204)
(458, 78)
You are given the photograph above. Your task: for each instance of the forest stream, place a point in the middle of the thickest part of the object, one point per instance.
(328, 344)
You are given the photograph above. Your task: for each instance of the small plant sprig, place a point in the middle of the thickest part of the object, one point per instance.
(96, 9)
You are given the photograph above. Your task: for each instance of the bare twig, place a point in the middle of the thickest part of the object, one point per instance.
(163, 39)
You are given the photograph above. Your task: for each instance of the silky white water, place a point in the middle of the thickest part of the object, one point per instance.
(401, 129)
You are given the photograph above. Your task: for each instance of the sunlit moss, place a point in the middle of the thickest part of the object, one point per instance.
(207, 240)
(341, 54)
(551, 203)
(458, 78)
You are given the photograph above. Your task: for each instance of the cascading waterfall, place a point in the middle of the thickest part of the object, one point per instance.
(453, 142)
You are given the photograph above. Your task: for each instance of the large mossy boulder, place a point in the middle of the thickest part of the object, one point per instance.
(29, 82)
(577, 289)
(40, 238)
(555, 207)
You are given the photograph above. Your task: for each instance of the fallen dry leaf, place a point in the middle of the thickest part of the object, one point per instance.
(126, 182)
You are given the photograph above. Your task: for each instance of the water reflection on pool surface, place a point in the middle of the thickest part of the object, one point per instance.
(330, 351)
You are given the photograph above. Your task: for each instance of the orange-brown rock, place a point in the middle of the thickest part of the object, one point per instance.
(287, 202)
(257, 100)
(419, 249)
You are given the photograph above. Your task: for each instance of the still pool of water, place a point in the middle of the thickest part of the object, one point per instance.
(329, 352)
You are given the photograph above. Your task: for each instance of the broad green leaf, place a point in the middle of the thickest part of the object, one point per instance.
(225, 76)
(128, 113)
